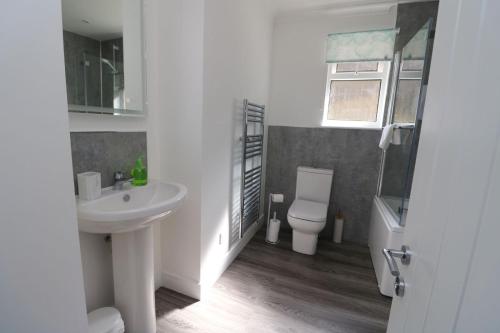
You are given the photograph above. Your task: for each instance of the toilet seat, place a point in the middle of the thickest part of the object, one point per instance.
(105, 320)
(308, 210)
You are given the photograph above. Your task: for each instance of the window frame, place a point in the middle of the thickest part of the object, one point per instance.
(382, 74)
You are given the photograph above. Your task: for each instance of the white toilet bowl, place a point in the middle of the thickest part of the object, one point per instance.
(307, 219)
(105, 320)
(307, 214)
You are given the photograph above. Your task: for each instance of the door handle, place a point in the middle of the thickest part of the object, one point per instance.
(391, 254)
(399, 286)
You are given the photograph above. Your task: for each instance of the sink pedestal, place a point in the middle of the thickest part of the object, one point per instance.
(133, 273)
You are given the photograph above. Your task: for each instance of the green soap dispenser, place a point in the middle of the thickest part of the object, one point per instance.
(139, 173)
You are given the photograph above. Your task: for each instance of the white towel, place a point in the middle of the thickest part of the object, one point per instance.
(387, 135)
(396, 136)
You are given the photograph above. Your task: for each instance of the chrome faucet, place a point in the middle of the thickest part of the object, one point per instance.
(119, 180)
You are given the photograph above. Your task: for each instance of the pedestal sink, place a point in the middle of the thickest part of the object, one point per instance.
(128, 215)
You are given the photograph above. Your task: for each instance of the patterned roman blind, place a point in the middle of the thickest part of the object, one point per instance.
(376, 45)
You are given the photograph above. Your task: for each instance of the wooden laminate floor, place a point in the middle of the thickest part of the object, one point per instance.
(273, 289)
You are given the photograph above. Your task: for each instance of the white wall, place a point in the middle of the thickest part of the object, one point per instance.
(207, 57)
(237, 65)
(299, 70)
(41, 284)
(177, 93)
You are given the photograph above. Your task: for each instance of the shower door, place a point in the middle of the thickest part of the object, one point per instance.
(407, 113)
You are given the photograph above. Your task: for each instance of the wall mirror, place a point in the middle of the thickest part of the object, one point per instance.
(103, 46)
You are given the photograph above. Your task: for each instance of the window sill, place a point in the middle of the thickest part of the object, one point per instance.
(352, 125)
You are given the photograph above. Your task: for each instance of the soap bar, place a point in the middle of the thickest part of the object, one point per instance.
(89, 185)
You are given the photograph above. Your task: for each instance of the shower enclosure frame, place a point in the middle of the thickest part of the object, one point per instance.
(390, 107)
(386, 225)
(415, 129)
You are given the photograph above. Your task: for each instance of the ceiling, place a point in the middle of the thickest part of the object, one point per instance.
(281, 6)
(104, 18)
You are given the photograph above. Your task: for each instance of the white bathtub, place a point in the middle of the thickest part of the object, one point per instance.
(385, 232)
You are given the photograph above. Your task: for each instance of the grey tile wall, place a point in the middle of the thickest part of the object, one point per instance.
(74, 48)
(79, 48)
(353, 154)
(396, 168)
(411, 17)
(106, 152)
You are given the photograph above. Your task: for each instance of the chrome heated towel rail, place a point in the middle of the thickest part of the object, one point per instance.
(251, 166)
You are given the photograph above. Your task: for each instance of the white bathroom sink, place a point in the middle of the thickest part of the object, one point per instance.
(130, 209)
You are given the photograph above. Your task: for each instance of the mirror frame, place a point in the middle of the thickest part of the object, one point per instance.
(99, 110)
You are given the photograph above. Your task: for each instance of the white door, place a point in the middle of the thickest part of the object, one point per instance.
(453, 223)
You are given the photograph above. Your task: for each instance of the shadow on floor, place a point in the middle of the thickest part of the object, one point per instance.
(168, 301)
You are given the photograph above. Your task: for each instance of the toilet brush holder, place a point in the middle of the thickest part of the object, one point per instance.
(338, 227)
(273, 231)
(273, 225)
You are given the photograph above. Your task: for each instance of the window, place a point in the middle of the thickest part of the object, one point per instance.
(408, 93)
(355, 94)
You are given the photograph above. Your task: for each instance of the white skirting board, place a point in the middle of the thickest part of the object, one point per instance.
(196, 289)
(183, 285)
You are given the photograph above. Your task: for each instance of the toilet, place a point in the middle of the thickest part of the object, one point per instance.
(105, 320)
(307, 214)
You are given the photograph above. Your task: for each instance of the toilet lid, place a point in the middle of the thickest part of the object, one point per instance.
(105, 320)
(308, 210)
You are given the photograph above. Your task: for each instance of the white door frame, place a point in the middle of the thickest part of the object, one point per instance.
(451, 213)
